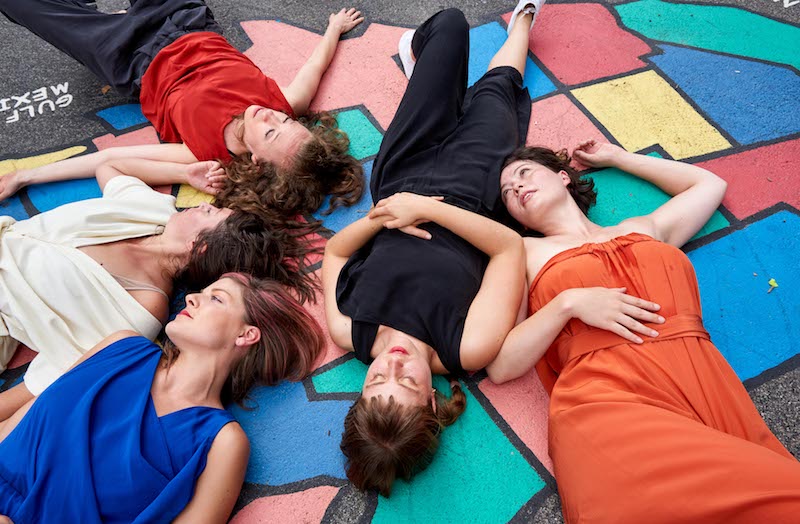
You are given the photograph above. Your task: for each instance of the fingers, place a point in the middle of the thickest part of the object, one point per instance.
(413, 231)
(624, 332)
(634, 325)
(640, 303)
(642, 314)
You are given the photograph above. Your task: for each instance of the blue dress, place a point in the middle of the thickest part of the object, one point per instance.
(92, 448)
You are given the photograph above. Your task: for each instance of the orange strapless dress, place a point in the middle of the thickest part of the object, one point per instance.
(659, 432)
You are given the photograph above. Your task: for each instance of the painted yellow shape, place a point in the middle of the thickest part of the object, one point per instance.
(190, 197)
(15, 164)
(642, 110)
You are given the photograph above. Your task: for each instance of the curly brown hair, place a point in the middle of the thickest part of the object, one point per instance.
(384, 439)
(291, 340)
(581, 189)
(321, 167)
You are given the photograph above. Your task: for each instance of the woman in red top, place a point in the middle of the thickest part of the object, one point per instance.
(201, 94)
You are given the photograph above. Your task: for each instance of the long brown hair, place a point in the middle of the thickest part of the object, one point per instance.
(245, 242)
(291, 340)
(321, 167)
(582, 189)
(384, 439)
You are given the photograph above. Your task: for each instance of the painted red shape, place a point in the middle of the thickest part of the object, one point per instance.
(140, 137)
(759, 178)
(305, 506)
(362, 72)
(22, 356)
(583, 42)
(558, 123)
(523, 403)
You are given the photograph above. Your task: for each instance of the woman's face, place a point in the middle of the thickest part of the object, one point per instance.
(528, 189)
(185, 226)
(401, 371)
(213, 318)
(272, 136)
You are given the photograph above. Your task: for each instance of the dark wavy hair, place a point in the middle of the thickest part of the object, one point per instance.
(321, 167)
(291, 340)
(581, 189)
(245, 242)
(384, 439)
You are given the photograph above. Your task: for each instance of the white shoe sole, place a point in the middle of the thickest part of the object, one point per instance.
(404, 49)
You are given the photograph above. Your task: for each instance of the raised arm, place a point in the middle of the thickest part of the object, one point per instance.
(305, 84)
(85, 166)
(696, 193)
(493, 311)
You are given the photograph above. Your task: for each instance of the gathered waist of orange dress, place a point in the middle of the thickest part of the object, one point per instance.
(569, 347)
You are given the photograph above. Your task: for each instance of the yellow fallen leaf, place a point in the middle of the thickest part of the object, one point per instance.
(772, 285)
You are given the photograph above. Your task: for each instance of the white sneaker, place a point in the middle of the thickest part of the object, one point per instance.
(406, 57)
(524, 7)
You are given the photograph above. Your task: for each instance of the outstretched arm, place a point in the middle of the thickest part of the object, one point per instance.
(696, 193)
(493, 311)
(85, 166)
(304, 86)
(609, 309)
(207, 176)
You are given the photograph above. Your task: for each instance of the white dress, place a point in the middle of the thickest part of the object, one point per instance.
(59, 301)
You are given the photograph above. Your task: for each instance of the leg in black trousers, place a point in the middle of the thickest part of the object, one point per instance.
(116, 48)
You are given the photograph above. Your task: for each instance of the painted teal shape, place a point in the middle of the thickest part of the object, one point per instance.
(716, 28)
(753, 329)
(484, 42)
(291, 438)
(12, 207)
(344, 216)
(124, 116)
(48, 196)
(476, 476)
(752, 101)
(621, 196)
(364, 138)
(348, 377)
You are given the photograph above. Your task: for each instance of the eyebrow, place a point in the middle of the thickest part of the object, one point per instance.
(219, 289)
(384, 382)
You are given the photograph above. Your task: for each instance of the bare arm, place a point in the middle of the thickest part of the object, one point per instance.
(338, 249)
(221, 481)
(696, 193)
(609, 309)
(206, 176)
(85, 166)
(493, 311)
(305, 84)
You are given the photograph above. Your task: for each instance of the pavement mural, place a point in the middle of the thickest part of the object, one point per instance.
(712, 85)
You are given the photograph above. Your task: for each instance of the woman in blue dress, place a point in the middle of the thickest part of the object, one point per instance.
(134, 433)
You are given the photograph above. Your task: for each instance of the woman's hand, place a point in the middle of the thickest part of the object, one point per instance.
(594, 154)
(208, 177)
(344, 20)
(405, 211)
(10, 183)
(611, 309)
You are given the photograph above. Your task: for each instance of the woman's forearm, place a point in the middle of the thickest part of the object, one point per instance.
(670, 176)
(353, 237)
(151, 172)
(484, 233)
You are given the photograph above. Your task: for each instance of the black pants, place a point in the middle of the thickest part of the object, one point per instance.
(116, 48)
(447, 140)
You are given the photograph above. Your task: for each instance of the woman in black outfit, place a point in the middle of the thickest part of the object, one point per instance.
(418, 299)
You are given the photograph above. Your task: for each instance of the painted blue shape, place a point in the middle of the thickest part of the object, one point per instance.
(291, 438)
(750, 100)
(344, 216)
(484, 42)
(48, 196)
(13, 207)
(124, 116)
(755, 330)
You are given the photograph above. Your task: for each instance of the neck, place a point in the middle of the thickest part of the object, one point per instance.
(388, 337)
(567, 220)
(169, 256)
(194, 379)
(231, 135)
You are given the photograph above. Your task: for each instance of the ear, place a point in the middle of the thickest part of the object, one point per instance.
(433, 400)
(255, 158)
(249, 336)
(565, 179)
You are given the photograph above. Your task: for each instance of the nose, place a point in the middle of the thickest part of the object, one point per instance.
(192, 300)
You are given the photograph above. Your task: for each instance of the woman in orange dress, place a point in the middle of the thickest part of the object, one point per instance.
(648, 422)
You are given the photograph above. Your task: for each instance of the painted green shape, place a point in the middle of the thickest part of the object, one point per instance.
(476, 476)
(364, 138)
(621, 196)
(348, 377)
(716, 28)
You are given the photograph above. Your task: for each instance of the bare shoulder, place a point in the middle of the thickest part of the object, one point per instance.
(232, 440)
(116, 337)
(641, 224)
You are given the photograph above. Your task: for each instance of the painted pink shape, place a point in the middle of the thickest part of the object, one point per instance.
(140, 137)
(305, 506)
(759, 178)
(523, 403)
(583, 42)
(558, 123)
(331, 351)
(362, 72)
(22, 356)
